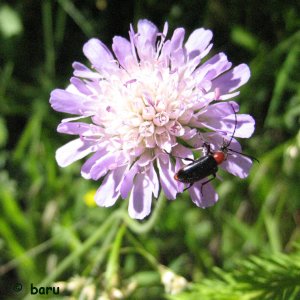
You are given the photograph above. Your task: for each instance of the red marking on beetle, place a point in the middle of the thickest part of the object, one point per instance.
(219, 156)
(207, 165)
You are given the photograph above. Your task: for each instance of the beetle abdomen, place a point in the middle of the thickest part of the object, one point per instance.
(199, 169)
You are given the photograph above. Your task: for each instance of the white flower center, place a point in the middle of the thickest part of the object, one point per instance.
(151, 107)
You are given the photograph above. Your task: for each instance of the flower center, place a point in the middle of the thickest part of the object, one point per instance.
(151, 107)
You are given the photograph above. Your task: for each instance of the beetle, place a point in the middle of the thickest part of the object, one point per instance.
(207, 165)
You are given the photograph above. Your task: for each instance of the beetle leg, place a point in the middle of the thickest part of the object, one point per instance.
(185, 158)
(206, 149)
(206, 182)
(188, 187)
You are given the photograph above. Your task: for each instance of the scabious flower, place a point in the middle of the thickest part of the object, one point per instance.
(149, 97)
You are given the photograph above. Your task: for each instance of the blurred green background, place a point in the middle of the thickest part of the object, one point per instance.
(51, 232)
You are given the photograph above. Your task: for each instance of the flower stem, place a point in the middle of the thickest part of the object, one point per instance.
(117, 216)
(111, 273)
(139, 248)
(114, 217)
(148, 225)
(94, 267)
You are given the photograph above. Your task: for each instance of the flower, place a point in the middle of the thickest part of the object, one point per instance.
(139, 103)
(89, 198)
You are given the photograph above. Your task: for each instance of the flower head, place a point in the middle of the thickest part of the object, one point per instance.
(137, 103)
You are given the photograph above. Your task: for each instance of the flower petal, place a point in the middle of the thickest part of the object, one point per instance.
(198, 41)
(153, 180)
(232, 80)
(80, 70)
(178, 55)
(177, 39)
(166, 176)
(104, 164)
(108, 193)
(140, 198)
(77, 128)
(123, 51)
(81, 87)
(219, 117)
(213, 67)
(89, 164)
(237, 164)
(99, 55)
(73, 151)
(127, 183)
(208, 197)
(145, 39)
(245, 125)
(219, 110)
(67, 102)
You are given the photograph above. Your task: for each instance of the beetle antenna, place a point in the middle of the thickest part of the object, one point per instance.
(247, 155)
(235, 124)
(228, 144)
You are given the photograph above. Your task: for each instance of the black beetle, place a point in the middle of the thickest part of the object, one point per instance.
(207, 164)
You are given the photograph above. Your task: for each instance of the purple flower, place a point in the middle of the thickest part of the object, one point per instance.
(139, 102)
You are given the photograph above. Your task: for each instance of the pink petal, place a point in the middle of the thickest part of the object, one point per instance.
(232, 80)
(147, 32)
(164, 57)
(245, 125)
(182, 152)
(145, 39)
(99, 55)
(218, 110)
(73, 151)
(66, 120)
(206, 51)
(166, 176)
(81, 86)
(228, 96)
(213, 67)
(89, 164)
(123, 52)
(177, 39)
(208, 197)
(154, 180)
(104, 164)
(178, 55)
(237, 164)
(77, 128)
(67, 102)
(198, 41)
(108, 193)
(141, 197)
(80, 70)
(127, 183)
(145, 159)
(219, 117)
(163, 36)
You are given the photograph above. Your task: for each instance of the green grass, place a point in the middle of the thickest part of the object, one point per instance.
(245, 247)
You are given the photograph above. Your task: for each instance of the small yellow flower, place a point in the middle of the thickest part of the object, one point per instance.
(89, 198)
